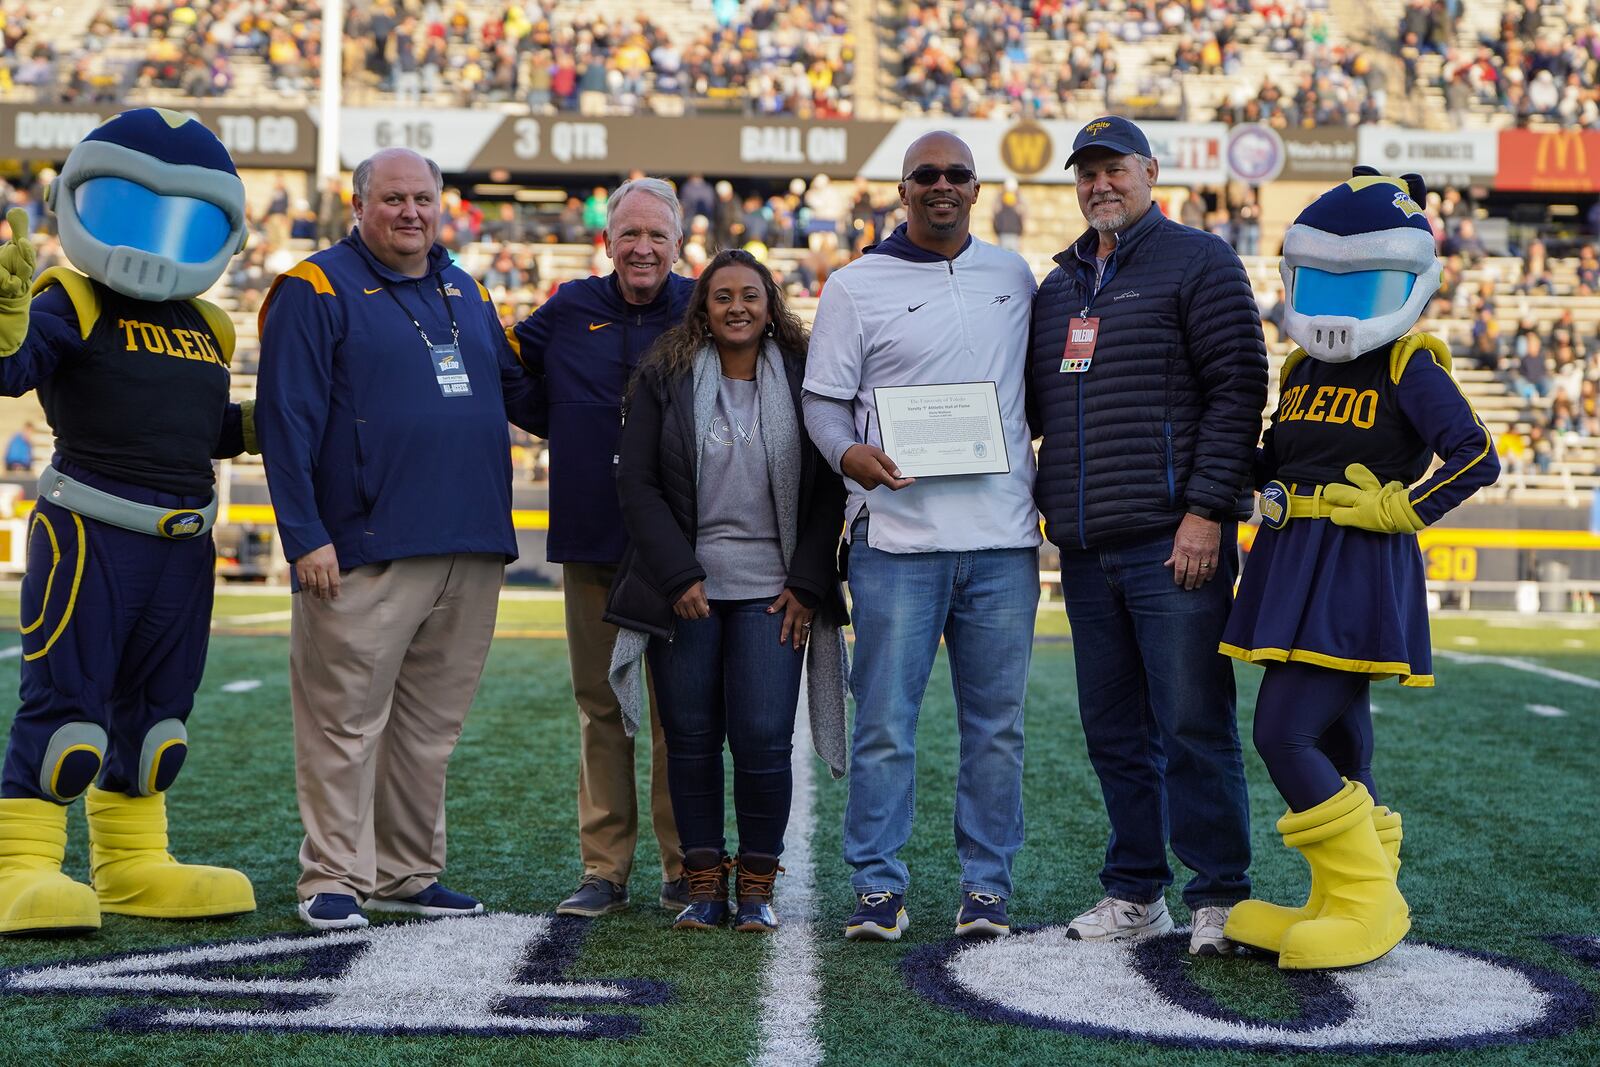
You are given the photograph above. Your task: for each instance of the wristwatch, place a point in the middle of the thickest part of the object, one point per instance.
(1206, 513)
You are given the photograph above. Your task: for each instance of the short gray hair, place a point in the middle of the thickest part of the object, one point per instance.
(656, 187)
(363, 175)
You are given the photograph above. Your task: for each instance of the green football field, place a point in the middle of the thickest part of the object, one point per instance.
(1494, 770)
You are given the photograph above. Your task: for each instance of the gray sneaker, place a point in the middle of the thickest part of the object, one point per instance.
(1205, 935)
(1121, 920)
(594, 897)
(675, 894)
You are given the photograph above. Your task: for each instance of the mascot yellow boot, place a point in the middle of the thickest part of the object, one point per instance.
(134, 874)
(1363, 915)
(35, 897)
(1262, 924)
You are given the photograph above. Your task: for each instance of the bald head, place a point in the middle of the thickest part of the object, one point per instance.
(935, 146)
(396, 204)
(361, 181)
(938, 188)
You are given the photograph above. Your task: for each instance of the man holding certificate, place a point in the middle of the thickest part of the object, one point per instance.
(914, 392)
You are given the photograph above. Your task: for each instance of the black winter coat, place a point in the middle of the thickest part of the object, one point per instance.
(660, 509)
(1166, 419)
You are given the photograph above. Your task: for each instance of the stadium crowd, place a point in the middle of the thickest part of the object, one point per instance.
(795, 60)
(1535, 67)
(965, 60)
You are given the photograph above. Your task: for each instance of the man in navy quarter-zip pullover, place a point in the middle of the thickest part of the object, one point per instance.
(581, 347)
(955, 555)
(382, 401)
(1147, 379)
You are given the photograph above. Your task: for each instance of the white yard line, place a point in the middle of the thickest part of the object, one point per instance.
(1546, 711)
(11, 653)
(792, 997)
(1522, 665)
(243, 685)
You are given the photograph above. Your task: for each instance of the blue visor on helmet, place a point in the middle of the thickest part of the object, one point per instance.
(1361, 294)
(116, 211)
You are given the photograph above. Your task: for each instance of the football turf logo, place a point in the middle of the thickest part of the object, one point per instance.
(1418, 998)
(494, 975)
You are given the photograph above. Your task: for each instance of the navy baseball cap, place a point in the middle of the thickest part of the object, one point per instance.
(1114, 133)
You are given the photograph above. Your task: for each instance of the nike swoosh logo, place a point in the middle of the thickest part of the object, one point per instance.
(923, 304)
(369, 292)
(593, 326)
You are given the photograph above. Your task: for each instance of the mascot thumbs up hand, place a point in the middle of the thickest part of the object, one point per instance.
(17, 260)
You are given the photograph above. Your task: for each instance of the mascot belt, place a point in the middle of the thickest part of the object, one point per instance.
(1279, 505)
(177, 525)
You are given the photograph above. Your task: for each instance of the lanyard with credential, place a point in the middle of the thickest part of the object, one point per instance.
(448, 368)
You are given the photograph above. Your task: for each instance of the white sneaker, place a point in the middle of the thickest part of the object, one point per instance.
(1121, 920)
(1205, 937)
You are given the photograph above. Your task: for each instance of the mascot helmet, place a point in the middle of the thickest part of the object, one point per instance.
(149, 203)
(1358, 266)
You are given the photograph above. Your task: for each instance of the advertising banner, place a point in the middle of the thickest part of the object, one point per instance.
(480, 141)
(1190, 153)
(1323, 155)
(1455, 157)
(1549, 161)
(255, 137)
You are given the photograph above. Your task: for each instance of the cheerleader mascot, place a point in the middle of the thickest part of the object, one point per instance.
(1333, 595)
(132, 372)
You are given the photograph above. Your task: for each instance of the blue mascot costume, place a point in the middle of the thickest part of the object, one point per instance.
(132, 372)
(1333, 595)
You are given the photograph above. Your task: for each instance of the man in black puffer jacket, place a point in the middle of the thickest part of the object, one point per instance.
(1147, 378)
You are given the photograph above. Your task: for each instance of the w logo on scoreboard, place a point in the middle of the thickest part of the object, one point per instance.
(494, 975)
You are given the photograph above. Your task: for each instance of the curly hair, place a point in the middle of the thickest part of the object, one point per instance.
(674, 351)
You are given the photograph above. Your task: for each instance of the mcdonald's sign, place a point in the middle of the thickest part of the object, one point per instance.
(1026, 149)
(1549, 161)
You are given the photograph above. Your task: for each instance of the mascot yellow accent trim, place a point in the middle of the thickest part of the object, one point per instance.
(1290, 362)
(79, 289)
(220, 325)
(1364, 181)
(1407, 346)
(72, 598)
(55, 775)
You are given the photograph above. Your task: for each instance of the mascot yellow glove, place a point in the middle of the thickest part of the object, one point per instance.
(17, 261)
(1367, 505)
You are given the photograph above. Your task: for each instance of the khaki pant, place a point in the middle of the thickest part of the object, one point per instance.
(380, 681)
(608, 819)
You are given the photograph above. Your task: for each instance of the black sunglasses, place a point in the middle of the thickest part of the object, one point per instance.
(930, 174)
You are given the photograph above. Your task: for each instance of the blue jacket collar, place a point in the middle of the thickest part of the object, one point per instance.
(1083, 249)
(898, 245)
(663, 298)
(438, 259)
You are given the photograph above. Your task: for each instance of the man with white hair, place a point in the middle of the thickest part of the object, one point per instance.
(581, 347)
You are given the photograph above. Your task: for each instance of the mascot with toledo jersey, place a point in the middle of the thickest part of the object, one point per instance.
(132, 372)
(1333, 595)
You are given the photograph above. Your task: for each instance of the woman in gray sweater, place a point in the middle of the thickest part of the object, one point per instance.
(731, 575)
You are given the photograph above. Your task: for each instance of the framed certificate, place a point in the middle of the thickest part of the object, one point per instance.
(936, 430)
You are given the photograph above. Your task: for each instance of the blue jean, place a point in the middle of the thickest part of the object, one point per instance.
(1159, 715)
(727, 677)
(984, 603)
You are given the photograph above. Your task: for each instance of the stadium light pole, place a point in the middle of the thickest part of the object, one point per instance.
(332, 91)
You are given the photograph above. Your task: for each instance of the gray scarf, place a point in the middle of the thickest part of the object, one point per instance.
(827, 665)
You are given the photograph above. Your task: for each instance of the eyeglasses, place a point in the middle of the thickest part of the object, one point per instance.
(930, 175)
